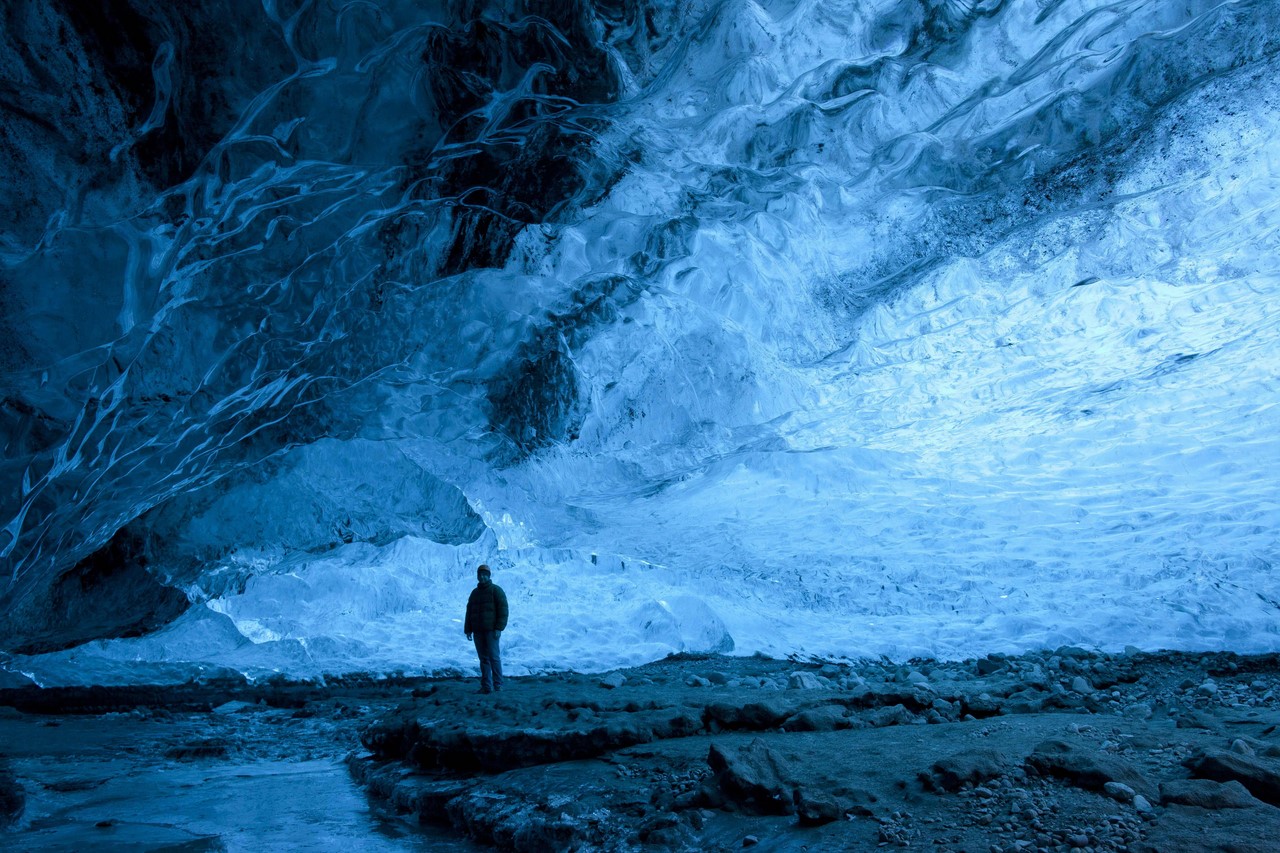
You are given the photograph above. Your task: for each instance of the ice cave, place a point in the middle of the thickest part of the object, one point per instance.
(838, 330)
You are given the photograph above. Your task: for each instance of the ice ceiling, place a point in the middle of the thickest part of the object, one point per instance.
(835, 328)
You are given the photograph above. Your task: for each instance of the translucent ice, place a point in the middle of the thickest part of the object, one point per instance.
(820, 328)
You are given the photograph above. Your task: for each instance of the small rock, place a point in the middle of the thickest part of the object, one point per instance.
(1119, 791)
(803, 681)
(697, 681)
(750, 841)
(613, 680)
(1081, 685)
(1208, 688)
(1239, 746)
(989, 666)
(915, 677)
(1139, 711)
(232, 707)
(716, 677)
(1142, 805)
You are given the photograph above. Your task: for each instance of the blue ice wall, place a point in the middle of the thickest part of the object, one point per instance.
(841, 328)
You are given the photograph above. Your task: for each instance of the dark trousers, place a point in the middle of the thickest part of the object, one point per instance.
(490, 659)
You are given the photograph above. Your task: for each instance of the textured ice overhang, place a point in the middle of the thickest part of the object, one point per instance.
(839, 328)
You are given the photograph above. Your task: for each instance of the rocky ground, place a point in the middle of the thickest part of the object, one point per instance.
(1058, 751)
(1054, 751)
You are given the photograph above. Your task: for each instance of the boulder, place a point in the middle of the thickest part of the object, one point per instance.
(827, 718)
(1260, 776)
(752, 716)
(1083, 767)
(895, 715)
(989, 665)
(973, 766)
(613, 680)
(1206, 794)
(803, 681)
(814, 808)
(754, 778)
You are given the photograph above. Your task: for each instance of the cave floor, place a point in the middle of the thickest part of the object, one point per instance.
(1050, 751)
(192, 775)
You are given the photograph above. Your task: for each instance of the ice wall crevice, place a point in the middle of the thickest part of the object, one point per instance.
(831, 328)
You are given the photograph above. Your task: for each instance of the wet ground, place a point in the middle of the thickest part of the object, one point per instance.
(238, 776)
(1066, 751)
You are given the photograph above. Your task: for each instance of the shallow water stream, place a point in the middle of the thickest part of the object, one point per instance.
(105, 783)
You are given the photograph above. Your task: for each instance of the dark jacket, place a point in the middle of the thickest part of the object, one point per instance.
(486, 609)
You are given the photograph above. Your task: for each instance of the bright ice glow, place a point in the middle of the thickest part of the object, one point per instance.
(878, 328)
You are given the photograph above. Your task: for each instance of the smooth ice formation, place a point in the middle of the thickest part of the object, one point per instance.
(926, 327)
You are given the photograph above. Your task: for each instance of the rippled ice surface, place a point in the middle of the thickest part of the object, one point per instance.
(870, 328)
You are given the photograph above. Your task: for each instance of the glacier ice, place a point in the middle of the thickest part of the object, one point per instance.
(819, 328)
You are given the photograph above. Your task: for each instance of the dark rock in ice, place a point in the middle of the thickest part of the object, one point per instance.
(1206, 794)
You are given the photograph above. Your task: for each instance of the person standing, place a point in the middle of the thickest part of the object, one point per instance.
(486, 620)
